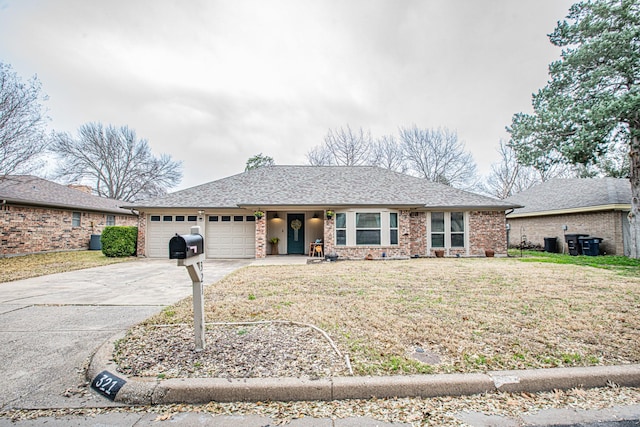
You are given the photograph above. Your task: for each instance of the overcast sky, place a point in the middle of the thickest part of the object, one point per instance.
(212, 83)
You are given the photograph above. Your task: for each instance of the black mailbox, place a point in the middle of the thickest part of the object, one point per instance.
(183, 246)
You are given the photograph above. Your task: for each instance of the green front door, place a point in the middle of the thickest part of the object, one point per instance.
(295, 234)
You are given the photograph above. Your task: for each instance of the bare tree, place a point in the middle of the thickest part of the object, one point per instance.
(387, 153)
(319, 156)
(438, 155)
(342, 147)
(117, 163)
(509, 177)
(22, 123)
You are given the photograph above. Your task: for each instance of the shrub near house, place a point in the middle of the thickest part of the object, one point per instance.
(119, 241)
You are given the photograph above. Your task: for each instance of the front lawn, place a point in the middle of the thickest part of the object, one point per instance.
(471, 314)
(23, 267)
(621, 264)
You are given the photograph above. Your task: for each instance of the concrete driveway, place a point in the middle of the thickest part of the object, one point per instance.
(51, 325)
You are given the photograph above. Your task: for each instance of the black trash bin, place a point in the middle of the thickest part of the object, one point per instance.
(590, 245)
(573, 243)
(551, 245)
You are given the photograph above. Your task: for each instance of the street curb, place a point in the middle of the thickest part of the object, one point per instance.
(151, 391)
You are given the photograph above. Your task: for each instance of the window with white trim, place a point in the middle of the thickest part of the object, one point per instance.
(437, 229)
(457, 229)
(341, 229)
(447, 229)
(366, 228)
(111, 220)
(393, 228)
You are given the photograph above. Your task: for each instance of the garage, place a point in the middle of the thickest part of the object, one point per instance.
(161, 228)
(230, 236)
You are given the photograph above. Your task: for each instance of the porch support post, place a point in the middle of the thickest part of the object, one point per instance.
(329, 235)
(261, 237)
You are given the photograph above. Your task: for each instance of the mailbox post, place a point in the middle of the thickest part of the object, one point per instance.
(188, 249)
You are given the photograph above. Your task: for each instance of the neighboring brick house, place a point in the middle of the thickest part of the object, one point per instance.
(598, 207)
(376, 212)
(43, 216)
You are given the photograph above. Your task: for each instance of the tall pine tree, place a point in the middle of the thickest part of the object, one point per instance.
(592, 98)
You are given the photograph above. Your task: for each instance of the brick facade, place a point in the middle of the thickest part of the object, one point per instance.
(487, 230)
(607, 225)
(26, 229)
(400, 251)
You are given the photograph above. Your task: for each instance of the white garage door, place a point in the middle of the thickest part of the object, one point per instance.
(231, 236)
(161, 228)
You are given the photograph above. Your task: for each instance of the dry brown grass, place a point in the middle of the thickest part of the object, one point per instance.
(476, 314)
(23, 267)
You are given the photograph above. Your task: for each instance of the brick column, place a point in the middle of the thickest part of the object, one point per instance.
(419, 236)
(329, 235)
(261, 237)
(404, 231)
(142, 235)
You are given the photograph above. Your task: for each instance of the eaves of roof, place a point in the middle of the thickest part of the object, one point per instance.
(28, 190)
(329, 205)
(119, 211)
(504, 207)
(613, 207)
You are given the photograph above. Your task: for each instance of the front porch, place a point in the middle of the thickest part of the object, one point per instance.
(294, 230)
(297, 230)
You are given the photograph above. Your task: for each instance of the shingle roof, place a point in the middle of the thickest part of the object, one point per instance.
(575, 193)
(329, 186)
(31, 190)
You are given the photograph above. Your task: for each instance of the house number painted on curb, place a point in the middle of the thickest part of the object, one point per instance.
(107, 384)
